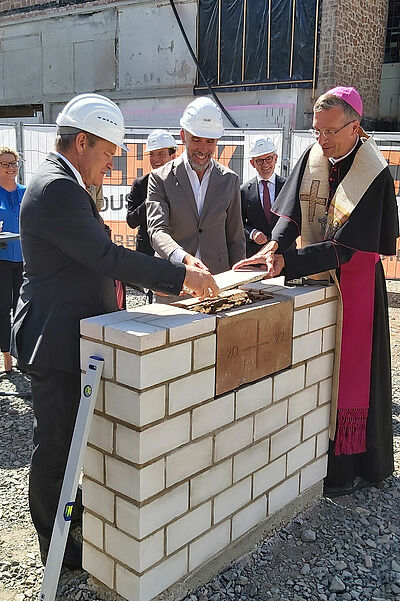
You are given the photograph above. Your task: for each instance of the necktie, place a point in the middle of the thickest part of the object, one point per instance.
(266, 201)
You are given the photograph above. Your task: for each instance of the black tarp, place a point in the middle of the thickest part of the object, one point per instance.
(235, 23)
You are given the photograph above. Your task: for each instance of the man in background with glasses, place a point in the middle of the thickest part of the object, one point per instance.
(340, 198)
(258, 195)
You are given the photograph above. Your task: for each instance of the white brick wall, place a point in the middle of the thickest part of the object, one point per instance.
(316, 421)
(93, 529)
(249, 461)
(306, 297)
(101, 433)
(93, 464)
(192, 390)
(270, 420)
(135, 335)
(210, 483)
(230, 500)
(301, 455)
(253, 397)
(136, 484)
(213, 415)
(325, 391)
(163, 510)
(89, 348)
(328, 338)
(209, 544)
(286, 439)
(283, 494)
(300, 322)
(322, 442)
(233, 439)
(319, 369)
(306, 346)
(204, 352)
(302, 402)
(189, 460)
(186, 325)
(323, 315)
(98, 564)
(135, 408)
(98, 499)
(127, 550)
(313, 473)
(269, 476)
(249, 517)
(190, 526)
(285, 385)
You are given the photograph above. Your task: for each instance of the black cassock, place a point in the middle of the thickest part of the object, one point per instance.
(372, 227)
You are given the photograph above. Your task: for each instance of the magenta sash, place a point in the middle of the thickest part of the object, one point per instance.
(357, 284)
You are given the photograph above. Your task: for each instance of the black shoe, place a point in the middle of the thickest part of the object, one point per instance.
(72, 556)
(336, 489)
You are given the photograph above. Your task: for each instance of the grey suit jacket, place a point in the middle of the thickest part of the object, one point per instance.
(173, 220)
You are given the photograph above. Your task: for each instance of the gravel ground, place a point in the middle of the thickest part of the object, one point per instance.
(337, 550)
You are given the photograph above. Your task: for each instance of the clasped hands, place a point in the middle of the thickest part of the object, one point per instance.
(266, 259)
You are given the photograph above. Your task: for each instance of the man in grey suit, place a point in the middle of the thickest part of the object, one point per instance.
(70, 268)
(193, 202)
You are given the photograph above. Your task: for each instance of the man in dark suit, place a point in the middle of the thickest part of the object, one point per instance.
(258, 195)
(70, 268)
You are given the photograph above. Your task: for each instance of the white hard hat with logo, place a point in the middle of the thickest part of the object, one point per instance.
(94, 114)
(203, 118)
(159, 138)
(261, 146)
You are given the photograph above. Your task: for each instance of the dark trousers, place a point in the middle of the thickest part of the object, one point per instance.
(10, 284)
(55, 396)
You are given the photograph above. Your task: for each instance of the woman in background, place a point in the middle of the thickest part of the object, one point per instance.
(11, 195)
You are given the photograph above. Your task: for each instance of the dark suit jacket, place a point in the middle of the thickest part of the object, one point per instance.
(253, 214)
(136, 215)
(70, 265)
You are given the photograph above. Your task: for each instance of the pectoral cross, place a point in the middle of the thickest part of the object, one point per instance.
(313, 199)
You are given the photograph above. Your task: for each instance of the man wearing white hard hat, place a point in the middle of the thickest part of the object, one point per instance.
(258, 195)
(161, 147)
(70, 266)
(193, 202)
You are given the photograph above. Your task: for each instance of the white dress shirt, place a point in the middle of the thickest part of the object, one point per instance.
(271, 188)
(333, 161)
(199, 192)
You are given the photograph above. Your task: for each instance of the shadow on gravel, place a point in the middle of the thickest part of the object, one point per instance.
(16, 418)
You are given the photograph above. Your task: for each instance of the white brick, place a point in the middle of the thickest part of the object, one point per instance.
(313, 473)
(189, 460)
(93, 464)
(328, 338)
(93, 326)
(90, 348)
(283, 494)
(302, 402)
(270, 420)
(322, 443)
(253, 397)
(164, 509)
(143, 371)
(188, 527)
(128, 517)
(101, 433)
(140, 447)
(210, 483)
(300, 456)
(319, 369)
(92, 529)
(306, 297)
(135, 408)
(100, 397)
(204, 351)
(288, 382)
(213, 415)
(137, 555)
(300, 322)
(208, 545)
(269, 476)
(98, 565)
(135, 335)
(306, 346)
(316, 421)
(323, 315)
(232, 499)
(249, 517)
(249, 461)
(192, 390)
(186, 326)
(325, 391)
(286, 439)
(98, 499)
(234, 438)
(136, 484)
(331, 291)
(156, 580)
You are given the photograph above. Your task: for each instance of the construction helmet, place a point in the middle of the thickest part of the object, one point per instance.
(94, 114)
(203, 118)
(159, 138)
(261, 146)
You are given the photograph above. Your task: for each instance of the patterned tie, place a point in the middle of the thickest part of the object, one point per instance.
(266, 200)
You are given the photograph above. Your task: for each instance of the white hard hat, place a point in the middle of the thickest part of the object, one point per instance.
(203, 118)
(95, 114)
(261, 146)
(159, 138)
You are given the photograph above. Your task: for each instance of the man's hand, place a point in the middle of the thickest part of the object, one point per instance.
(200, 282)
(259, 238)
(192, 261)
(275, 266)
(263, 257)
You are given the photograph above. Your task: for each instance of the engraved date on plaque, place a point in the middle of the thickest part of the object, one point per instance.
(253, 344)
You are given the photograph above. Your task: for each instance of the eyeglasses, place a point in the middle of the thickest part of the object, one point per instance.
(12, 164)
(328, 133)
(267, 160)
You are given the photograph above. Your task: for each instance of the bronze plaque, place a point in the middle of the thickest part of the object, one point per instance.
(253, 343)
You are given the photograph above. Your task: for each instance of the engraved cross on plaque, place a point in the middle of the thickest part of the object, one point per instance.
(313, 199)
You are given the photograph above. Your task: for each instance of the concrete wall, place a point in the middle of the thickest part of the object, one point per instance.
(389, 104)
